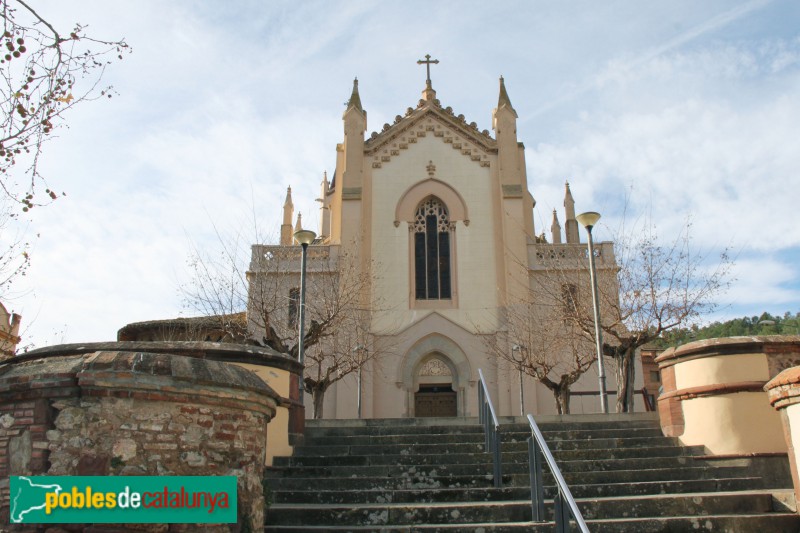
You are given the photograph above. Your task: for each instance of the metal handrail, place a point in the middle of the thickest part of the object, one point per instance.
(537, 447)
(491, 428)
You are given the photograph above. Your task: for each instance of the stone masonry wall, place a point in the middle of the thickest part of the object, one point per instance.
(123, 413)
(130, 437)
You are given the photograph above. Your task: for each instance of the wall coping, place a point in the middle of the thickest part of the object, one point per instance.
(729, 346)
(146, 375)
(790, 376)
(213, 351)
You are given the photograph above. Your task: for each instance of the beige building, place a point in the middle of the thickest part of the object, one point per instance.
(9, 333)
(437, 218)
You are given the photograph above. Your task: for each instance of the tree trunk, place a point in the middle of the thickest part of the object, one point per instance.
(626, 374)
(562, 395)
(318, 396)
(631, 378)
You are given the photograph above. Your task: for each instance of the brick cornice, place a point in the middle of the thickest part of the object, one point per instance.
(715, 389)
(784, 389)
(730, 346)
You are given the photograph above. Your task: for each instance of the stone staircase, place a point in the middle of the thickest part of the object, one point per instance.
(402, 475)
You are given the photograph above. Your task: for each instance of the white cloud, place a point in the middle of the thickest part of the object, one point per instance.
(727, 162)
(763, 279)
(223, 105)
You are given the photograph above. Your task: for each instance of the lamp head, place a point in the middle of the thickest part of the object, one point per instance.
(588, 219)
(304, 236)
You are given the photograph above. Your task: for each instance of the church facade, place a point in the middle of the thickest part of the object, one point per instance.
(437, 218)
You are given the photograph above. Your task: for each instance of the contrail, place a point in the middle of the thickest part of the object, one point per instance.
(689, 35)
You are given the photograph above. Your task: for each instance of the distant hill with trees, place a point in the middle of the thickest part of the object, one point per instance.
(764, 324)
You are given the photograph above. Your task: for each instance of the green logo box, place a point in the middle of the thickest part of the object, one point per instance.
(122, 499)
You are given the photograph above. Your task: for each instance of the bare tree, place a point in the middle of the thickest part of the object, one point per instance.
(15, 252)
(337, 339)
(45, 72)
(657, 287)
(540, 343)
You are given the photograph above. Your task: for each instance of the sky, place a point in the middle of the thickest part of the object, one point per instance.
(666, 111)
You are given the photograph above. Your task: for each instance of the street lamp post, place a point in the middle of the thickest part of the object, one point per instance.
(518, 348)
(359, 349)
(304, 237)
(588, 220)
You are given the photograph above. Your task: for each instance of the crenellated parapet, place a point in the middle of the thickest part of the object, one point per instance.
(545, 256)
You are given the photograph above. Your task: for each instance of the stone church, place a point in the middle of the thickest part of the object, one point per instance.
(439, 218)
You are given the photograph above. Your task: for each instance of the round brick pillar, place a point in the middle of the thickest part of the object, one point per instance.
(784, 395)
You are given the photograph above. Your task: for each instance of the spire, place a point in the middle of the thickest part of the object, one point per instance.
(569, 202)
(288, 212)
(555, 228)
(571, 225)
(355, 99)
(504, 100)
(288, 202)
(324, 207)
(325, 185)
(299, 225)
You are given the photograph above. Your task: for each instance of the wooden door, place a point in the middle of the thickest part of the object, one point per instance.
(436, 400)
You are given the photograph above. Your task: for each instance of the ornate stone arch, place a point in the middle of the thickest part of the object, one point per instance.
(414, 195)
(429, 348)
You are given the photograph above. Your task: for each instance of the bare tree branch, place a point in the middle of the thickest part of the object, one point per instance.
(337, 340)
(44, 74)
(656, 287)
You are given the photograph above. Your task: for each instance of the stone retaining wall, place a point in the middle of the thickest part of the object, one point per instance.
(136, 413)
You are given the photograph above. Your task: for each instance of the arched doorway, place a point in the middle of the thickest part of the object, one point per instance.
(431, 365)
(435, 395)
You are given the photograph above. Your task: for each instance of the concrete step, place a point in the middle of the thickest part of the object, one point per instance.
(434, 475)
(766, 523)
(570, 469)
(390, 426)
(418, 479)
(393, 449)
(486, 492)
(327, 457)
(477, 446)
(650, 506)
(410, 436)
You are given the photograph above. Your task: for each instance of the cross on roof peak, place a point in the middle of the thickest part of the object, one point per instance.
(428, 62)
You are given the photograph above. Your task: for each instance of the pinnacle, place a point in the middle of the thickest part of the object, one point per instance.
(504, 100)
(567, 193)
(355, 99)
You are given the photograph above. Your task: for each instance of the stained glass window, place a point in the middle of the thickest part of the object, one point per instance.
(432, 251)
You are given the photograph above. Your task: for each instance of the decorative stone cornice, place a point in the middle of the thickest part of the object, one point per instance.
(430, 119)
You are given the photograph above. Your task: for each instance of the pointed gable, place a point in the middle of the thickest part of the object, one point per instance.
(429, 118)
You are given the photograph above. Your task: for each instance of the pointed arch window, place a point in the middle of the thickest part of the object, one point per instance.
(432, 276)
